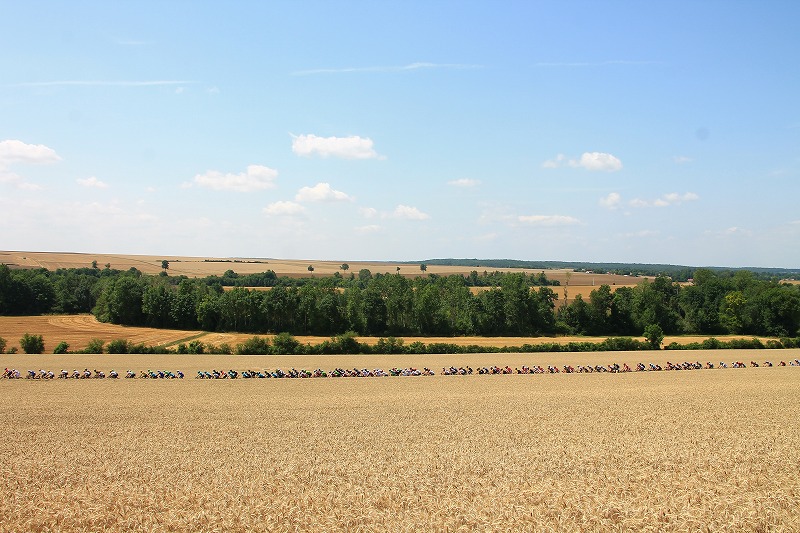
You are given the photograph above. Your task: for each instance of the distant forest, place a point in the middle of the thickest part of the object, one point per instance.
(512, 304)
(676, 272)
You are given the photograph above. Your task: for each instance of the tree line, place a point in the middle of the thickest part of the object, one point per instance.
(389, 304)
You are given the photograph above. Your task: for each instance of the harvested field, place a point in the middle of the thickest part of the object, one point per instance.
(78, 330)
(658, 451)
(206, 266)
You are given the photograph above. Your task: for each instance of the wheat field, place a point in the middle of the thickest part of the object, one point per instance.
(709, 450)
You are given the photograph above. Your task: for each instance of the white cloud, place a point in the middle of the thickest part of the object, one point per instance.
(92, 182)
(321, 192)
(370, 228)
(464, 182)
(675, 198)
(352, 147)
(548, 220)
(594, 161)
(556, 162)
(598, 161)
(401, 68)
(682, 159)
(256, 178)
(666, 200)
(409, 213)
(103, 83)
(282, 208)
(368, 212)
(641, 234)
(730, 232)
(14, 151)
(612, 201)
(593, 63)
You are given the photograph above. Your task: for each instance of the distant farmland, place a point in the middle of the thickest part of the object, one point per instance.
(206, 266)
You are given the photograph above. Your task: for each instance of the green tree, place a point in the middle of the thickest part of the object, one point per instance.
(516, 297)
(654, 335)
(32, 343)
(157, 305)
(284, 344)
(732, 311)
(3, 344)
(95, 346)
(621, 320)
(118, 346)
(656, 302)
(120, 301)
(364, 275)
(279, 309)
(423, 267)
(577, 315)
(311, 269)
(61, 348)
(164, 265)
(254, 346)
(491, 314)
(345, 267)
(600, 301)
(427, 308)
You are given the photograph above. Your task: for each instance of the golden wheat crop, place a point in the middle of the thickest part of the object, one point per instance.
(710, 450)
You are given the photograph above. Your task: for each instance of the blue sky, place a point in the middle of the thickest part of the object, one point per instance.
(641, 132)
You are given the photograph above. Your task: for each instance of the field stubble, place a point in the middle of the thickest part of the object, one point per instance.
(677, 451)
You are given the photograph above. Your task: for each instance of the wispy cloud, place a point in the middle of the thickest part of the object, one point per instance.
(732, 231)
(92, 182)
(256, 177)
(100, 83)
(407, 212)
(640, 234)
(593, 63)
(666, 200)
(133, 42)
(368, 212)
(612, 201)
(464, 183)
(548, 220)
(395, 68)
(282, 208)
(370, 228)
(682, 159)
